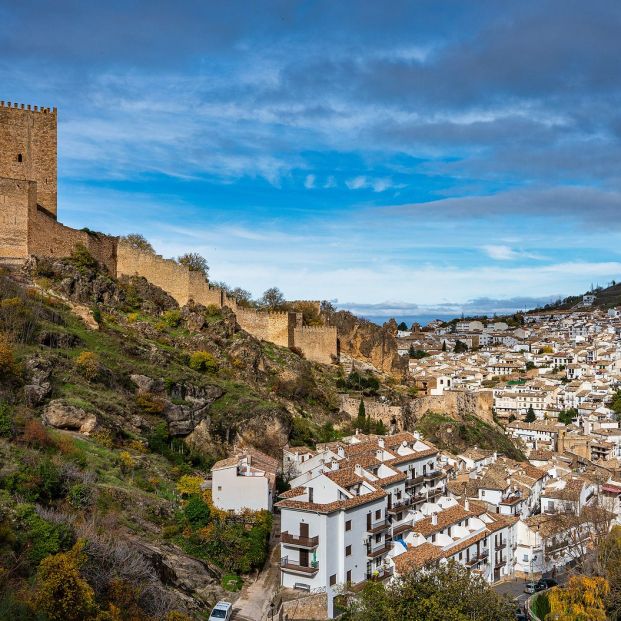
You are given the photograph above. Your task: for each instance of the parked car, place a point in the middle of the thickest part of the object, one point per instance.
(222, 611)
(546, 583)
(531, 587)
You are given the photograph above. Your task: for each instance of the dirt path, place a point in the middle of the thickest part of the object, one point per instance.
(254, 601)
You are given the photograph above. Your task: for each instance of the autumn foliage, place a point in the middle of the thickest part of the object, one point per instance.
(583, 598)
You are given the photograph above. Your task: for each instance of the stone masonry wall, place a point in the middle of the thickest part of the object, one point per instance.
(17, 199)
(28, 148)
(373, 408)
(49, 238)
(268, 326)
(318, 343)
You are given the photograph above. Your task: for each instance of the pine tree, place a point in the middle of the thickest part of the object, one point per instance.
(362, 416)
(530, 415)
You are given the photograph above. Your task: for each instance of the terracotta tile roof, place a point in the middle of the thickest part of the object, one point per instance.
(293, 492)
(501, 521)
(548, 525)
(466, 543)
(571, 491)
(402, 459)
(397, 439)
(395, 478)
(446, 518)
(416, 557)
(259, 459)
(229, 462)
(331, 507)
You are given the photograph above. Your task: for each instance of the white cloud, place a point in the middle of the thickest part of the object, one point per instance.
(377, 184)
(309, 182)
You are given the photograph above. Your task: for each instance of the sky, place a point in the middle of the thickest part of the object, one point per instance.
(400, 158)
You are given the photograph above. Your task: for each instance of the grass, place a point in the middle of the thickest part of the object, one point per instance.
(231, 583)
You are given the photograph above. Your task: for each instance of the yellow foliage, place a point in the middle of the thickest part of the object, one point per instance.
(582, 598)
(138, 446)
(7, 357)
(88, 364)
(216, 514)
(133, 317)
(174, 615)
(127, 461)
(60, 591)
(189, 485)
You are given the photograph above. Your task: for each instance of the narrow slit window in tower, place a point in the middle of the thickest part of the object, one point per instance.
(19, 157)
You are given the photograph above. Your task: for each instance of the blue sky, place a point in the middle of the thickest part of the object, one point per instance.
(399, 157)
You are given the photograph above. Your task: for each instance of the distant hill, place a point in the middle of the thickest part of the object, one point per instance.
(605, 298)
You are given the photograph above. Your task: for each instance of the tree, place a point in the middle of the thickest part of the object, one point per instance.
(327, 307)
(445, 593)
(361, 421)
(60, 591)
(460, 347)
(194, 262)
(583, 598)
(615, 404)
(403, 326)
(138, 242)
(530, 415)
(567, 416)
(272, 299)
(443, 345)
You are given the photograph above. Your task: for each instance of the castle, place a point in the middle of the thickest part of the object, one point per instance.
(29, 226)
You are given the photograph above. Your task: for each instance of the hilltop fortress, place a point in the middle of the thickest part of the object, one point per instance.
(29, 226)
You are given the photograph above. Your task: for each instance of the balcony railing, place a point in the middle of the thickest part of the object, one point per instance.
(298, 541)
(374, 552)
(434, 474)
(296, 568)
(500, 562)
(414, 481)
(377, 527)
(402, 528)
(399, 505)
(475, 560)
(380, 574)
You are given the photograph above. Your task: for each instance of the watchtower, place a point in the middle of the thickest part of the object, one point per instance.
(28, 149)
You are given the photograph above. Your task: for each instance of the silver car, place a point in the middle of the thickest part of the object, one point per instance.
(222, 611)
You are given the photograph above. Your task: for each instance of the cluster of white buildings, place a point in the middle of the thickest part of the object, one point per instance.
(376, 507)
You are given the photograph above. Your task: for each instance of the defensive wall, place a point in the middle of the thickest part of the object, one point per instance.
(373, 408)
(28, 226)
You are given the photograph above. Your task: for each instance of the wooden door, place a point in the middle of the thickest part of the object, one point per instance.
(369, 520)
(303, 558)
(303, 529)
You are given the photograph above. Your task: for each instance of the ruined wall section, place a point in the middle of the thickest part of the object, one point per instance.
(28, 148)
(17, 199)
(375, 409)
(49, 238)
(318, 343)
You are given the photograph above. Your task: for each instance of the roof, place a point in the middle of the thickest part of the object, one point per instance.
(331, 507)
(416, 557)
(446, 518)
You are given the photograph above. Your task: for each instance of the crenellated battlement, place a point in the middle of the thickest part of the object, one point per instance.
(27, 107)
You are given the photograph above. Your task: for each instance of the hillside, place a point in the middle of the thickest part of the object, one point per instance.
(605, 298)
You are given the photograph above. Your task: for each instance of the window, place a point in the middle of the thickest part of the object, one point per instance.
(20, 157)
(310, 494)
(348, 525)
(219, 488)
(525, 558)
(332, 579)
(378, 514)
(461, 555)
(482, 492)
(433, 538)
(348, 551)
(349, 576)
(378, 538)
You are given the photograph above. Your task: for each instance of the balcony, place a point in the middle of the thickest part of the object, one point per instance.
(479, 558)
(309, 543)
(500, 562)
(414, 481)
(435, 474)
(375, 552)
(383, 573)
(399, 505)
(402, 528)
(377, 527)
(300, 570)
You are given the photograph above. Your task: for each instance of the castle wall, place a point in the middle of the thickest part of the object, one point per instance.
(318, 343)
(17, 199)
(373, 408)
(49, 238)
(267, 326)
(28, 149)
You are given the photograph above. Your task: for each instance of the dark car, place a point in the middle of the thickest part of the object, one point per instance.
(546, 583)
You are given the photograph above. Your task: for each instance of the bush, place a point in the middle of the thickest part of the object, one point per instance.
(80, 495)
(88, 365)
(150, 403)
(8, 365)
(6, 420)
(203, 361)
(172, 318)
(137, 241)
(36, 435)
(83, 259)
(194, 262)
(196, 512)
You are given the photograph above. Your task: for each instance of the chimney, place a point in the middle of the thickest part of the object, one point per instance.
(467, 505)
(434, 519)
(380, 442)
(357, 431)
(358, 469)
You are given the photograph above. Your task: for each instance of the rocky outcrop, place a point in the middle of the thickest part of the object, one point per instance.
(61, 415)
(454, 403)
(366, 341)
(39, 387)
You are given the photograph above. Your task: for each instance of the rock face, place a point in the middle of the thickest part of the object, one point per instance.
(61, 415)
(456, 404)
(366, 341)
(39, 371)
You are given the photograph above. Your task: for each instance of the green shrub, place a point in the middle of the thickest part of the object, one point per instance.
(150, 403)
(82, 258)
(197, 512)
(80, 495)
(6, 420)
(203, 361)
(172, 318)
(231, 583)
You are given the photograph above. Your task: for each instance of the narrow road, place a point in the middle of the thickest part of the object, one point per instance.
(253, 603)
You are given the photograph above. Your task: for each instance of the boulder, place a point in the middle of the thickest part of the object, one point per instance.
(61, 415)
(146, 384)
